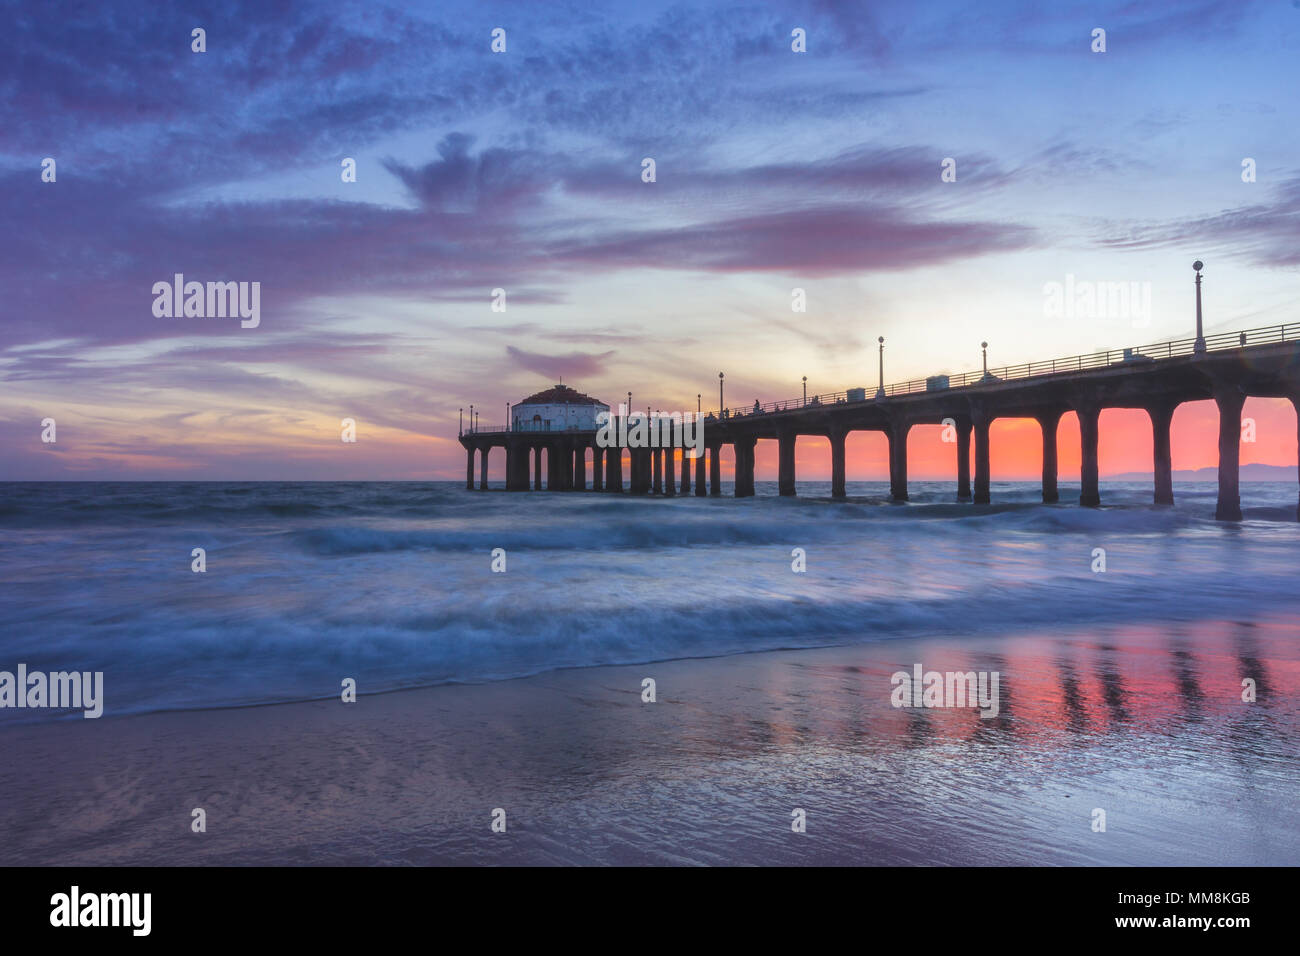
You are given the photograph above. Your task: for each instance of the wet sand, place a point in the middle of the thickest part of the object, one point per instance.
(1147, 724)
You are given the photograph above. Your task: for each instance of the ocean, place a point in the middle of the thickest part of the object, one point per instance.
(1159, 696)
(391, 584)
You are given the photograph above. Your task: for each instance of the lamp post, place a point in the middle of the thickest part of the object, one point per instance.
(460, 429)
(805, 389)
(508, 425)
(985, 347)
(880, 390)
(476, 423)
(721, 404)
(698, 401)
(1199, 347)
(471, 416)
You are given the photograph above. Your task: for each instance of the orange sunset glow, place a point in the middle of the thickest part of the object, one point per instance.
(1016, 450)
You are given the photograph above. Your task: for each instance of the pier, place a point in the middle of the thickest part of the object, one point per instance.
(1227, 368)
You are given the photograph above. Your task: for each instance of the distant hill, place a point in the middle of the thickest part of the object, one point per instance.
(1248, 473)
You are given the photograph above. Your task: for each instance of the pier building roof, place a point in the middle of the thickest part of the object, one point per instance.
(560, 395)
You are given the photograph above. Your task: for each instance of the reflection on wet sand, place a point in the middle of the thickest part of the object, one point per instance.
(1146, 723)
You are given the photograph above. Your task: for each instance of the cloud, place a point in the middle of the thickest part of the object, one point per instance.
(493, 184)
(82, 255)
(1264, 233)
(575, 365)
(523, 171)
(810, 242)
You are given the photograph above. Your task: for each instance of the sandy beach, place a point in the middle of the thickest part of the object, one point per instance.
(1147, 724)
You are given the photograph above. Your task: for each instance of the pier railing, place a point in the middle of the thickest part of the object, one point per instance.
(531, 430)
(1221, 341)
(1268, 335)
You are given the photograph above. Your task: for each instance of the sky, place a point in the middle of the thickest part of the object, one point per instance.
(522, 170)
